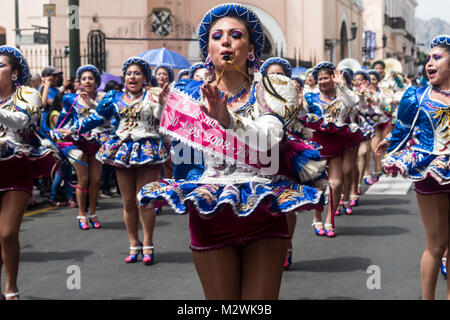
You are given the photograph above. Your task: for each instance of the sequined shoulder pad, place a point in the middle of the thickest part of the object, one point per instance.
(278, 95)
(408, 106)
(29, 100)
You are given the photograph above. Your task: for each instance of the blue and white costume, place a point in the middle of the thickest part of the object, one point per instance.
(215, 183)
(427, 121)
(430, 156)
(74, 113)
(135, 140)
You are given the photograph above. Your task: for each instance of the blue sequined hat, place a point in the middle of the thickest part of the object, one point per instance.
(139, 61)
(232, 10)
(442, 39)
(24, 70)
(376, 73)
(275, 60)
(91, 68)
(181, 73)
(322, 65)
(364, 73)
(195, 67)
(169, 70)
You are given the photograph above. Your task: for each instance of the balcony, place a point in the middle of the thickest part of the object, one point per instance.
(397, 23)
(394, 22)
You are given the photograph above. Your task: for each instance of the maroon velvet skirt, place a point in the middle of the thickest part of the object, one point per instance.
(88, 147)
(333, 144)
(16, 174)
(430, 186)
(225, 228)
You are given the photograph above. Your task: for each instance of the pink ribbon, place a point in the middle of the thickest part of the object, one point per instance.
(185, 121)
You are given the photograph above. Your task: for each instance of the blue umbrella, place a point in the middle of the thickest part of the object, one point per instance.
(107, 77)
(298, 71)
(156, 57)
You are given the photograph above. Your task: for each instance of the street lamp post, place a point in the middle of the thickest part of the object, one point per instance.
(17, 22)
(49, 32)
(49, 11)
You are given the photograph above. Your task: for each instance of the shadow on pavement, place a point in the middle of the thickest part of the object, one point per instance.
(120, 225)
(344, 264)
(380, 212)
(76, 255)
(370, 231)
(386, 201)
(173, 257)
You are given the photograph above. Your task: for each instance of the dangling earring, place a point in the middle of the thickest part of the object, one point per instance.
(15, 80)
(253, 63)
(208, 63)
(209, 76)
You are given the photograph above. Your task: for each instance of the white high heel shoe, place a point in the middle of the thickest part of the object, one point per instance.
(11, 295)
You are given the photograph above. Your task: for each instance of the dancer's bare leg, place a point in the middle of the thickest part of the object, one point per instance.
(82, 183)
(126, 179)
(434, 210)
(145, 175)
(95, 174)
(219, 272)
(335, 178)
(12, 207)
(262, 268)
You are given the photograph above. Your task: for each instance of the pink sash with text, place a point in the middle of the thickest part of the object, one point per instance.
(185, 121)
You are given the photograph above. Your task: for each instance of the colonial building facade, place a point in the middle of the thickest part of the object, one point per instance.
(304, 31)
(392, 21)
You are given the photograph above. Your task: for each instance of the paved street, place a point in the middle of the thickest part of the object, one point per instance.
(385, 234)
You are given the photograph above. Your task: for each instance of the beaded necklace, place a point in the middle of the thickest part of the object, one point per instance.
(133, 96)
(443, 92)
(236, 94)
(329, 98)
(239, 92)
